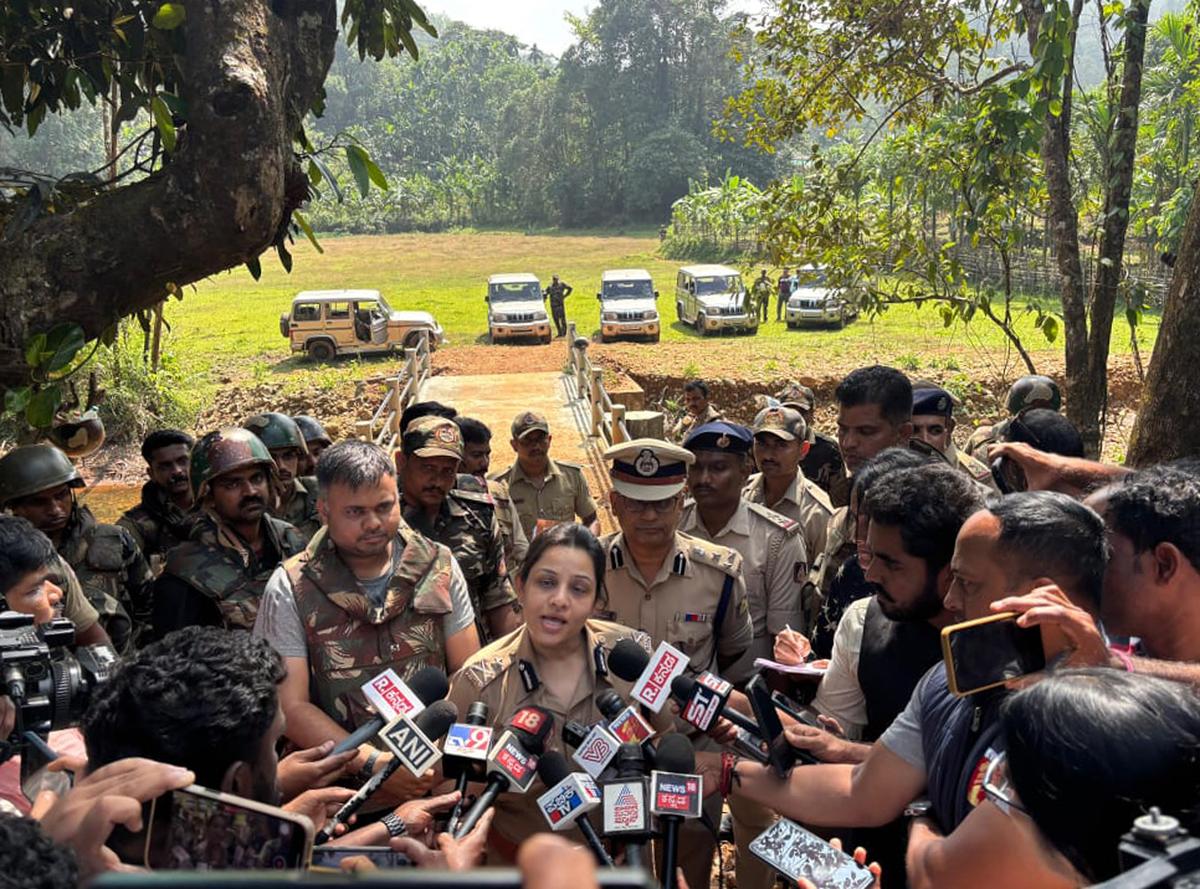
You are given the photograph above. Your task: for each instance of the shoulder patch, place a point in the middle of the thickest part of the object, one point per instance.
(789, 526)
(486, 670)
(724, 559)
(468, 482)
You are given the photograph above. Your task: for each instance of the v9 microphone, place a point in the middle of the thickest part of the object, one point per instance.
(391, 697)
(568, 799)
(512, 762)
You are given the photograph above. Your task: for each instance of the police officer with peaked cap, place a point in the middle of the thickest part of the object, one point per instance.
(933, 423)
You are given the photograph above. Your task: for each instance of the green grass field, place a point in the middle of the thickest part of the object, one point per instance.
(227, 329)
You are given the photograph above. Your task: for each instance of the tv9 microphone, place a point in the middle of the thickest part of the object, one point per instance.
(512, 763)
(624, 798)
(428, 727)
(465, 753)
(675, 794)
(391, 697)
(568, 799)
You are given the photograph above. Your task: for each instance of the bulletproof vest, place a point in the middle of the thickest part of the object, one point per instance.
(299, 506)
(894, 657)
(218, 563)
(160, 523)
(956, 733)
(350, 639)
(98, 554)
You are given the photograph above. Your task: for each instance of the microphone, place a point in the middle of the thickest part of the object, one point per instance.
(574, 732)
(432, 723)
(651, 675)
(625, 722)
(512, 762)
(465, 754)
(626, 813)
(675, 794)
(594, 750)
(704, 703)
(391, 696)
(569, 798)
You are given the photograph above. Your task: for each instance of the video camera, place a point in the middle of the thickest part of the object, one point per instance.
(1157, 854)
(49, 684)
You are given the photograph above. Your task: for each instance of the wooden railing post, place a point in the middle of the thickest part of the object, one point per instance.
(397, 407)
(597, 400)
(571, 335)
(362, 429)
(618, 418)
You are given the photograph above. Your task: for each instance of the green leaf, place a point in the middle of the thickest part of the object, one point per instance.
(63, 343)
(376, 175)
(39, 413)
(16, 399)
(169, 16)
(357, 158)
(162, 120)
(307, 229)
(1133, 316)
(1050, 328)
(329, 177)
(255, 268)
(34, 349)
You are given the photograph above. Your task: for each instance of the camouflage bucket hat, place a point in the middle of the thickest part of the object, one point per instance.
(225, 450)
(276, 431)
(32, 468)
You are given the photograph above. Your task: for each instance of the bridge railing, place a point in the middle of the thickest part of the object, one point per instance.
(403, 389)
(608, 417)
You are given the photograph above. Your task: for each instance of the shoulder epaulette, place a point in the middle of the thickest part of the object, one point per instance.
(609, 633)
(502, 475)
(467, 482)
(817, 493)
(564, 463)
(722, 558)
(487, 669)
(789, 526)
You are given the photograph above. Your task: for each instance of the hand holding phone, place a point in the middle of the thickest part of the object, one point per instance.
(988, 652)
(809, 860)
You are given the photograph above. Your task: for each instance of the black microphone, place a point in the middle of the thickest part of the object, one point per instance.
(434, 721)
(624, 717)
(469, 762)
(676, 794)
(685, 690)
(568, 799)
(574, 733)
(626, 811)
(627, 660)
(428, 684)
(512, 763)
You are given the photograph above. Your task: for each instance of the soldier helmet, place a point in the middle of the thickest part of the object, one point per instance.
(276, 431)
(32, 468)
(1034, 390)
(312, 430)
(225, 450)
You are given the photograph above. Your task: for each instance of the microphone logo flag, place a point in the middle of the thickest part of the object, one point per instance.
(391, 697)
(571, 797)
(715, 682)
(702, 707)
(528, 719)
(625, 807)
(596, 751)
(513, 761)
(654, 685)
(673, 793)
(468, 741)
(629, 727)
(415, 751)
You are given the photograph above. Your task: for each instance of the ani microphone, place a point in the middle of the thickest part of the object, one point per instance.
(675, 794)
(571, 795)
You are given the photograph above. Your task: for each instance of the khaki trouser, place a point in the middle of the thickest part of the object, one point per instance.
(749, 820)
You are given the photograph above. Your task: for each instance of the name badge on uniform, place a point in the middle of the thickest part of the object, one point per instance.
(693, 617)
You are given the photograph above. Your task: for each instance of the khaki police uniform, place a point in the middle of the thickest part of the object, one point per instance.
(516, 544)
(978, 471)
(559, 496)
(506, 676)
(804, 502)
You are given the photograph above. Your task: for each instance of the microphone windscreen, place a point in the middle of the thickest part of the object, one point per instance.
(552, 768)
(627, 660)
(609, 703)
(682, 687)
(533, 726)
(573, 733)
(477, 713)
(436, 719)
(429, 684)
(676, 754)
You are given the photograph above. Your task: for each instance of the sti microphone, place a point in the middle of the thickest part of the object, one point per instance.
(432, 723)
(512, 763)
(626, 813)
(675, 794)
(702, 701)
(568, 800)
(465, 753)
(392, 697)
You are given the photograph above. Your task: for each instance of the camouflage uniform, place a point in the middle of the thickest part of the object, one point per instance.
(350, 639)
(468, 526)
(156, 525)
(298, 506)
(114, 576)
(216, 563)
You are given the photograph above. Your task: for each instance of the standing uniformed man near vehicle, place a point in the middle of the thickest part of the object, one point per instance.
(162, 519)
(545, 491)
(674, 587)
(427, 471)
(217, 576)
(558, 291)
(297, 503)
(38, 482)
(933, 423)
(780, 444)
(782, 294)
(367, 594)
(316, 439)
(823, 462)
(1027, 392)
(760, 294)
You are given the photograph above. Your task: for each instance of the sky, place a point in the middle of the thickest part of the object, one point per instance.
(531, 21)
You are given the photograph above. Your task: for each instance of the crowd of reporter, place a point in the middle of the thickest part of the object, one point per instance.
(1033, 783)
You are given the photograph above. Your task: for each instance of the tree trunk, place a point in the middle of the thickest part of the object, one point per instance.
(1168, 424)
(1092, 400)
(251, 74)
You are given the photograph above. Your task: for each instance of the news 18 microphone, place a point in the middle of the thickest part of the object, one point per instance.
(465, 753)
(626, 810)
(512, 764)
(392, 697)
(430, 725)
(675, 794)
(568, 799)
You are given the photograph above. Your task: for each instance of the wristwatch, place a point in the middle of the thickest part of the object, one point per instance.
(918, 808)
(395, 825)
